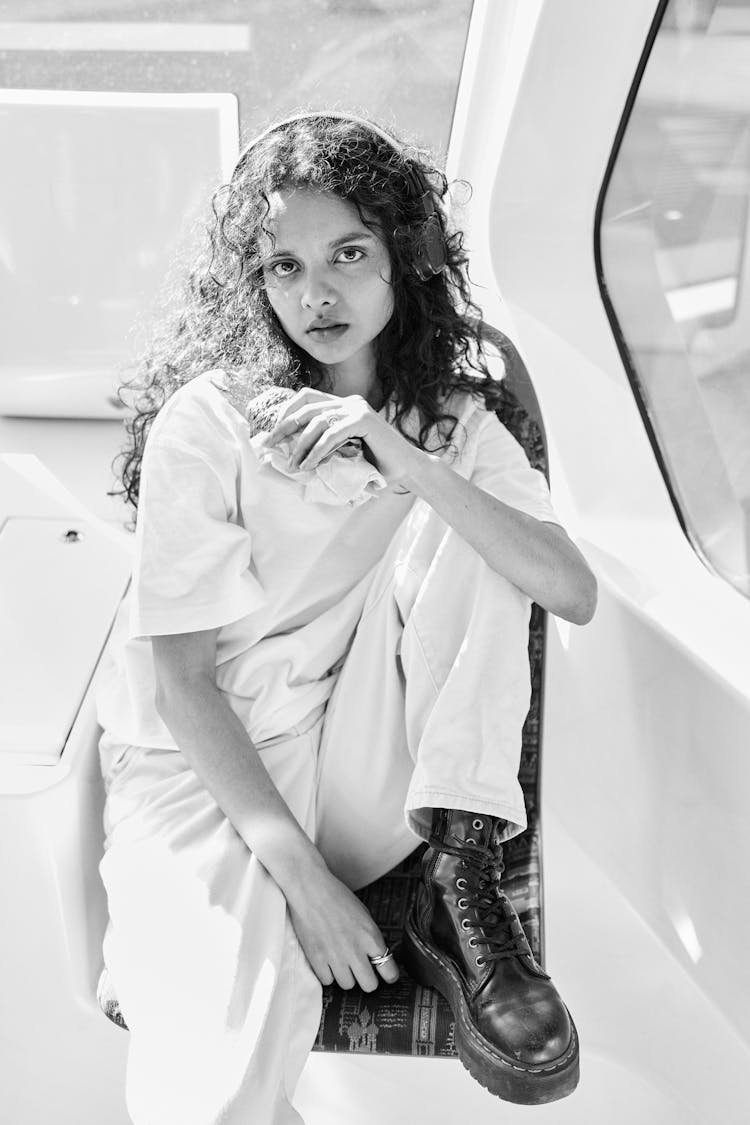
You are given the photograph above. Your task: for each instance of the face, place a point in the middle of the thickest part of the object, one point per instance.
(328, 279)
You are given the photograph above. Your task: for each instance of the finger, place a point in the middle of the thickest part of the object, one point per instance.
(303, 397)
(389, 970)
(285, 426)
(289, 413)
(295, 422)
(304, 394)
(318, 962)
(306, 399)
(367, 978)
(344, 976)
(314, 446)
(323, 973)
(313, 439)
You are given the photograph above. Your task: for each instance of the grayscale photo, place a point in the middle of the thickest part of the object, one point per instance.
(374, 562)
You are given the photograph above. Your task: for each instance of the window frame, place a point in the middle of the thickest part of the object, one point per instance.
(614, 323)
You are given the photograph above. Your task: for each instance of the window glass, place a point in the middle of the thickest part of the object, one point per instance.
(118, 117)
(398, 61)
(675, 262)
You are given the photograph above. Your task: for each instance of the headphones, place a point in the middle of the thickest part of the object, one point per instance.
(430, 251)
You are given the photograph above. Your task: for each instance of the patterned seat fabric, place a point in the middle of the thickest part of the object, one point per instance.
(405, 1018)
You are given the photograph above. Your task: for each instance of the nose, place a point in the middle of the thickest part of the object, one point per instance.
(318, 291)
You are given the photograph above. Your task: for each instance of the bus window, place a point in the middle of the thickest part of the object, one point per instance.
(116, 124)
(399, 63)
(675, 258)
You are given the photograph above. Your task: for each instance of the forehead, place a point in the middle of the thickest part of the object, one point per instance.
(304, 216)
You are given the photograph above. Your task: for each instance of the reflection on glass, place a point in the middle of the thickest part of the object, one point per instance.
(675, 256)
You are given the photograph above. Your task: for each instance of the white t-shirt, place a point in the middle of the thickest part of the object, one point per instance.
(227, 541)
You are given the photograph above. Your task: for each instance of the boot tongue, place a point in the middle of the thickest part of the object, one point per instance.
(461, 830)
(468, 835)
(475, 828)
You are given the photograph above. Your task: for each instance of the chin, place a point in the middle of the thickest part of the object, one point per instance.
(336, 352)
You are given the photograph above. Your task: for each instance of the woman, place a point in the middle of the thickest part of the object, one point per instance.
(323, 658)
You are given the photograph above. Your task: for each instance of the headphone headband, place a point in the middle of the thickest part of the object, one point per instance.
(430, 250)
(333, 114)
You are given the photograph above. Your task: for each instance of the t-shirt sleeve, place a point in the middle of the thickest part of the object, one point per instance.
(502, 469)
(192, 566)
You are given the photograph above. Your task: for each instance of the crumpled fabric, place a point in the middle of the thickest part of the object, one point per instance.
(343, 477)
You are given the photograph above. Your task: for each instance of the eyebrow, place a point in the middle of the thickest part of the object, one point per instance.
(353, 236)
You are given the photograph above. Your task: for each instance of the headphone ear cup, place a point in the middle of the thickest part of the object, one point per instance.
(430, 253)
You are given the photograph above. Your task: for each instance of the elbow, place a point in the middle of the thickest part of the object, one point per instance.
(582, 609)
(571, 579)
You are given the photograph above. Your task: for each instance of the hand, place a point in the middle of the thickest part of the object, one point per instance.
(337, 932)
(306, 417)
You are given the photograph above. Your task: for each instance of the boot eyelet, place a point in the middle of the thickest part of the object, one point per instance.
(465, 924)
(461, 884)
(473, 942)
(479, 961)
(478, 824)
(463, 903)
(470, 840)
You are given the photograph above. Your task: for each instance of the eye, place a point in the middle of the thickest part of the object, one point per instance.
(350, 254)
(285, 267)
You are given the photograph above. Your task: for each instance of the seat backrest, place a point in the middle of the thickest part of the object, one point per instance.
(520, 412)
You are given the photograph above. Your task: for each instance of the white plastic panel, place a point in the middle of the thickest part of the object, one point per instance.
(60, 584)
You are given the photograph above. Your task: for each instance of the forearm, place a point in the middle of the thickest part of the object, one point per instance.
(537, 557)
(219, 750)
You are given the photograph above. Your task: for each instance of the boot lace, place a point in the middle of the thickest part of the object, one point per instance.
(484, 867)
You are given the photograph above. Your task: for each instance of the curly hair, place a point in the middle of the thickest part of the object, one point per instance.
(431, 345)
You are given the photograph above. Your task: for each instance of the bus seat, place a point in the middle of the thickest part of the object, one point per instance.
(406, 1018)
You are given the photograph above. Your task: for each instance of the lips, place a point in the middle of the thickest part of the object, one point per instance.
(327, 332)
(325, 325)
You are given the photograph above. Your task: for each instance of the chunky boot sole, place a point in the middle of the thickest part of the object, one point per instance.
(500, 1074)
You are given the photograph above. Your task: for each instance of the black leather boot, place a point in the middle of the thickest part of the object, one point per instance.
(513, 1033)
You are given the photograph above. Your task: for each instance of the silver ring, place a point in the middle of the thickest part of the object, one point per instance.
(381, 960)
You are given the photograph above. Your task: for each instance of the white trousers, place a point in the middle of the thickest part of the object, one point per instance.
(427, 712)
